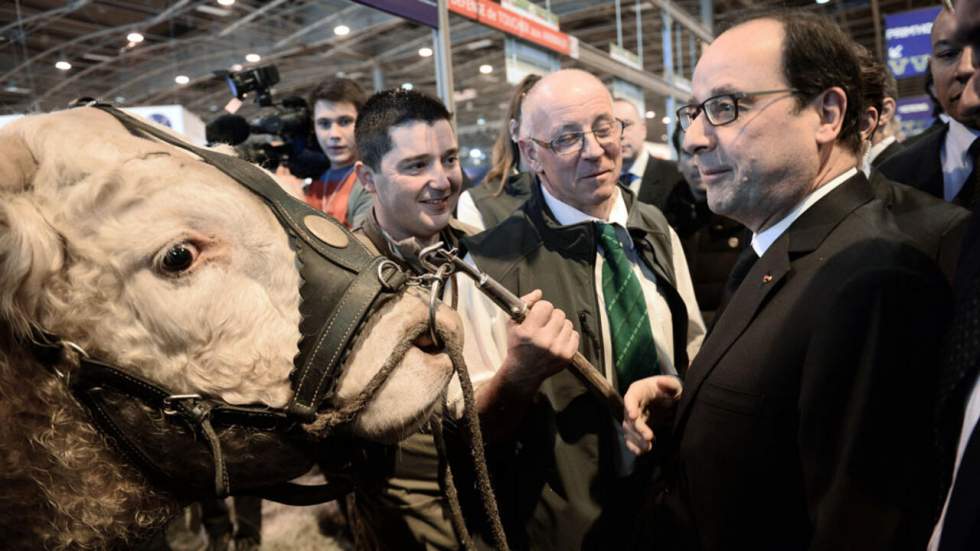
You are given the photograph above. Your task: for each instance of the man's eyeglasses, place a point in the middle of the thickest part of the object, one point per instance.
(573, 142)
(721, 109)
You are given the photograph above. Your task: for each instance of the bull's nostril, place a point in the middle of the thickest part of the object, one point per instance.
(425, 344)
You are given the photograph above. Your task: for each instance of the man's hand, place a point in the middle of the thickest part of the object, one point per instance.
(650, 399)
(540, 346)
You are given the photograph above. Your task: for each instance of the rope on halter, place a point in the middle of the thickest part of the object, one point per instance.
(479, 460)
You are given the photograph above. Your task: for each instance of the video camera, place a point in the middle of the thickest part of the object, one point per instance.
(280, 134)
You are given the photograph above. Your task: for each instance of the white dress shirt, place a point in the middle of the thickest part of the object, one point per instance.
(873, 153)
(763, 240)
(955, 157)
(467, 212)
(970, 418)
(637, 169)
(485, 324)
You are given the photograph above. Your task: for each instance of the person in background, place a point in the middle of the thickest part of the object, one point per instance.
(650, 179)
(934, 225)
(507, 183)
(940, 161)
(884, 139)
(958, 528)
(337, 192)
(711, 242)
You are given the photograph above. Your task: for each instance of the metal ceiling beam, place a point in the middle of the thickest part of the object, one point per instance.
(595, 58)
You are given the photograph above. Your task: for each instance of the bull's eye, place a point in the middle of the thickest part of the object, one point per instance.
(177, 258)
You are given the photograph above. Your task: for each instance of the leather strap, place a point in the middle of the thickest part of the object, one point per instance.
(324, 340)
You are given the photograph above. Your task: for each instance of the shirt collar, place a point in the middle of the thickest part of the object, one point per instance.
(566, 215)
(639, 165)
(959, 138)
(763, 240)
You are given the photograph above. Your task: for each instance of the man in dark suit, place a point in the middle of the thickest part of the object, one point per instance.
(958, 411)
(804, 422)
(933, 224)
(939, 161)
(650, 179)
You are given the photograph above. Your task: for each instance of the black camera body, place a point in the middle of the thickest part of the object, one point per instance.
(281, 134)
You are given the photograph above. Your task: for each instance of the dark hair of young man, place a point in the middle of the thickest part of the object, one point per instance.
(338, 90)
(387, 109)
(818, 55)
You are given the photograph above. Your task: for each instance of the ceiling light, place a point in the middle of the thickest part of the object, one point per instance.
(407, 86)
(481, 121)
(62, 65)
(182, 79)
(822, 1)
(650, 114)
(120, 99)
(341, 30)
(226, 2)
(134, 37)
(236, 67)
(665, 120)
(253, 58)
(425, 52)
(486, 69)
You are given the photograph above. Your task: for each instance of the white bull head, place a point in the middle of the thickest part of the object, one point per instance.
(151, 259)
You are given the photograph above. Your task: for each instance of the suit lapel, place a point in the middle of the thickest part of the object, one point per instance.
(765, 277)
(768, 276)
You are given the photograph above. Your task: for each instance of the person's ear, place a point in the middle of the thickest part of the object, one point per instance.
(888, 110)
(831, 106)
(513, 128)
(366, 176)
(530, 154)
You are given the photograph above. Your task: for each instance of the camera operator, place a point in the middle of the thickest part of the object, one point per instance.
(336, 192)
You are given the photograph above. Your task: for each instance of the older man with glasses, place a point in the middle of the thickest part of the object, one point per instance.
(806, 418)
(612, 265)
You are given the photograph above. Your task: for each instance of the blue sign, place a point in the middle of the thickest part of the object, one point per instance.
(914, 114)
(907, 38)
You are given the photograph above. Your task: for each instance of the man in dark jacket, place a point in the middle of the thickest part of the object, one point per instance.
(614, 267)
(805, 421)
(940, 160)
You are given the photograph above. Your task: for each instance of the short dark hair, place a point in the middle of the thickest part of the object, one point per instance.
(339, 90)
(387, 109)
(818, 55)
(873, 78)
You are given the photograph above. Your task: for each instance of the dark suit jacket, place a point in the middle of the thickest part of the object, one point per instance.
(805, 421)
(659, 179)
(936, 226)
(894, 148)
(920, 164)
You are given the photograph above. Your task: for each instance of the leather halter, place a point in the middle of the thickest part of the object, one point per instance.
(341, 284)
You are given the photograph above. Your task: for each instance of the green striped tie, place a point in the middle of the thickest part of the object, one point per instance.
(634, 353)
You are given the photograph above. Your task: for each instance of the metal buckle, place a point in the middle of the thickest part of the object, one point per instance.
(167, 407)
(438, 282)
(395, 269)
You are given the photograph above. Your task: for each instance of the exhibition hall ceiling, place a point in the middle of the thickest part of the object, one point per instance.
(145, 52)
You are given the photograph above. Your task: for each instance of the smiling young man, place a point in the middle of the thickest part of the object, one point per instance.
(410, 164)
(806, 418)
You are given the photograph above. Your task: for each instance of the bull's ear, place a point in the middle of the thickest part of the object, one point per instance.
(30, 253)
(30, 249)
(17, 164)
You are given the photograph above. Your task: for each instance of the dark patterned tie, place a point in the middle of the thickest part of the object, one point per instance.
(634, 352)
